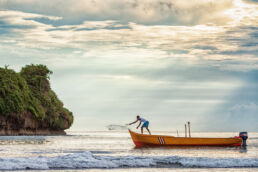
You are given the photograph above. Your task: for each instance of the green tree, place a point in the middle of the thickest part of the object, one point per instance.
(29, 91)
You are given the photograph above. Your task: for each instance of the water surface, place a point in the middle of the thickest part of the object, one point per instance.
(115, 151)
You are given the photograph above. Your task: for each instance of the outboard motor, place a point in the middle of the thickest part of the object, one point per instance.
(244, 136)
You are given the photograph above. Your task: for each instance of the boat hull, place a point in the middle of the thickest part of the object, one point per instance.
(159, 140)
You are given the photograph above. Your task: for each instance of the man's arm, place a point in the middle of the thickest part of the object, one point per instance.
(139, 125)
(133, 122)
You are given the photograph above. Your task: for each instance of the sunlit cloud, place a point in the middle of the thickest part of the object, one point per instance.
(169, 53)
(144, 12)
(115, 37)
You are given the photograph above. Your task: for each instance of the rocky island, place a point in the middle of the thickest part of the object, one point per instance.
(28, 105)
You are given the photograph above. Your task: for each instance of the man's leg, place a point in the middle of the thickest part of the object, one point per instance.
(142, 129)
(148, 130)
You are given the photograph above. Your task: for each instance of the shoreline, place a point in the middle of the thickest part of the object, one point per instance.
(148, 170)
(143, 169)
(24, 132)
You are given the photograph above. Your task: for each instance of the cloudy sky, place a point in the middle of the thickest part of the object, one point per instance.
(171, 60)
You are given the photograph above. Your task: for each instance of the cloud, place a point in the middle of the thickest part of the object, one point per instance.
(166, 57)
(21, 29)
(239, 111)
(237, 117)
(104, 39)
(244, 116)
(19, 14)
(244, 107)
(118, 28)
(175, 12)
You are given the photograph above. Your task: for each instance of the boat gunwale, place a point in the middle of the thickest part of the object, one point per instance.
(146, 135)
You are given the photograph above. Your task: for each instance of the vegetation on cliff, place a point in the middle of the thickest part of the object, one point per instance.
(28, 94)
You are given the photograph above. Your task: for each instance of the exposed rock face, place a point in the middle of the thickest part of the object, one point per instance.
(27, 125)
(28, 106)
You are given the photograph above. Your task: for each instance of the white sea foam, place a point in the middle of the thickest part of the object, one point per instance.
(88, 160)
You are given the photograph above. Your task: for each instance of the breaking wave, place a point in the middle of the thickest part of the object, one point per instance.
(88, 160)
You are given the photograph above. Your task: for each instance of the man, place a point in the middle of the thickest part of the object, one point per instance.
(145, 123)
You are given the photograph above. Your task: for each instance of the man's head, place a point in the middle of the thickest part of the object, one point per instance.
(138, 117)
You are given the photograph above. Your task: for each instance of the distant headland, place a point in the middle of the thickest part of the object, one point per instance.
(28, 105)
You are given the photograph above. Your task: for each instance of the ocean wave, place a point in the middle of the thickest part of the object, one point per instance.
(88, 160)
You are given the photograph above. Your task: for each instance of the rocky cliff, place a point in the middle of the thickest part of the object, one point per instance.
(28, 105)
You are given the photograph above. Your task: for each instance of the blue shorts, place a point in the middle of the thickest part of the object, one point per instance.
(146, 124)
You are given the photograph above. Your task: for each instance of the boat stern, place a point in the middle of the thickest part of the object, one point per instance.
(244, 137)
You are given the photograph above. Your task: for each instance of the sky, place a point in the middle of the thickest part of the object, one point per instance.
(169, 61)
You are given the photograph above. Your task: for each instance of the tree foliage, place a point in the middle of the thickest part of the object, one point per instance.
(30, 91)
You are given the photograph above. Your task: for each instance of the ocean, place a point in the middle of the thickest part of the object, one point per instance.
(115, 151)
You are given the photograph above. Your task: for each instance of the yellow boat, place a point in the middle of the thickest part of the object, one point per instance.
(160, 140)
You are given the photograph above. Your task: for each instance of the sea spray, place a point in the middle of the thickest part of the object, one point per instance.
(86, 159)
